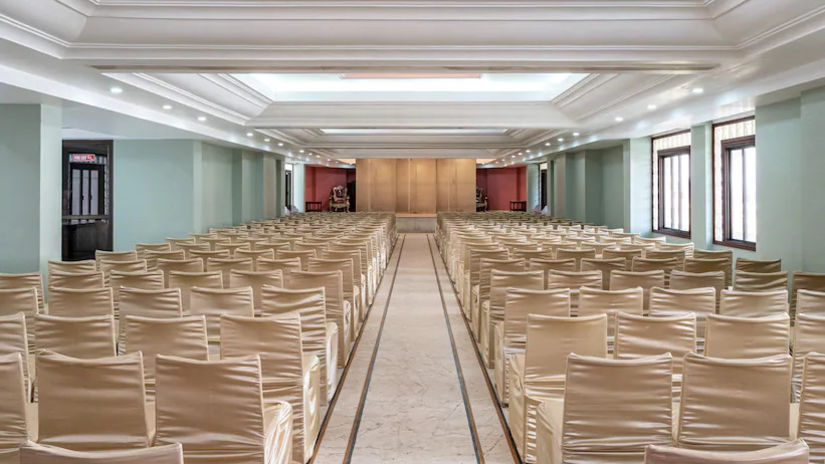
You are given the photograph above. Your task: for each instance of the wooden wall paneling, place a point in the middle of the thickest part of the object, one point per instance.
(465, 185)
(404, 185)
(384, 185)
(424, 193)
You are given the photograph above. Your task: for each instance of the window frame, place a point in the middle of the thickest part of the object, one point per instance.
(726, 243)
(657, 157)
(727, 146)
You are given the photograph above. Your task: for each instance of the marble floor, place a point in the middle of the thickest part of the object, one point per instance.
(414, 390)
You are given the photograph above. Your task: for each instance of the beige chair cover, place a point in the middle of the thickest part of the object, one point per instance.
(107, 267)
(794, 452)
(538, 375)
(33, 453)
(227, 265)
(683, 280)
(14, 339)
(807, 338)
(352, 293)
(612, 409)
(320, 338)
(285, 265)
(17, 281)
(152, 257)
(606, 266)
(179, 265)
(812, 405)
(638, 336)
(71, 267)
(650, 264)
(809, 301)
(747, 337)
(577, 254)
(288, 374)
(593, 301)
(760, 266)
(79, 337)
(215, 410)
(657, 253)
(186, 281)
(206, 255)
(338, 310)
(91, 404)
(760, 281)
(805, 281)
(140, 279)
(478, 297)
(743, 303)
(718, 254)
(255, 280)
(188, 248)
(511, 334)
(79, 302)
(14, 420)
(142, 248)
(164, 302)
(302, 255)
(700, 266)
(627, 253)
(574, 281)
(174, 243)
(255, 255)
(545, 265)
(91, 279)
(620, 280)
(358, 279)
(20, 300)
(184, 337)
(101, 255)
(492, 311)
(212, 303)
(701, 301)
(230, 247)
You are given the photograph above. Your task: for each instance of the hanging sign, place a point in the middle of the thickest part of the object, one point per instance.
(83, 158)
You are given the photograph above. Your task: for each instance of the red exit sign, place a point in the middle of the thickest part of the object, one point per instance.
(83, 158)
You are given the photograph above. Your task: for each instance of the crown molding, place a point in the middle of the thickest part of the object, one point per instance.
(238, 88)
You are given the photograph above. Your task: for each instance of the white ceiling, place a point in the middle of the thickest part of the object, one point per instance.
(384, 78)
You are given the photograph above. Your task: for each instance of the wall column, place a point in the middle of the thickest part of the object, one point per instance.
(30, 187)
(533, 179)
(701, 186)
(812, 114)
(637, 187)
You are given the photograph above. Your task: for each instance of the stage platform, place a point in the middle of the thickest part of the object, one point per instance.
(415, 222)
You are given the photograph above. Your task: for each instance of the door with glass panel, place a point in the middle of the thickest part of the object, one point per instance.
(87, 221)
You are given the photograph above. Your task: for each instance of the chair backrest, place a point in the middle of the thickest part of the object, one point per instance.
(206, 255)
(500, 281)
(756, 265)
(626, 403)
(574, 280)
(139, 279)
(812, 405)
(620, 280)
(807, 338)
(333, 289)
(178, 265)
(683, 280)
(184, 337)
(810, 281)
(520, 302)
(71, 267)
(699, 266)
(33, 453)
(212, 303)
(14, 338)
(638, 336)
(91, 404)
(627, 253)
(718, 254)
(186, 281)
(310, 303)
(80, 302)
(152, 257)
(226, 265)
(285, 265)
(760, 281)
(27, 280)
(162, 302)
(747, 337)
(255, 280)
(143, 248)
(487, 265)
(597, 301)
(277, 339)
(91, 279)
(701, 301)
(13, 399)
(743, 303)
(807, 301)
(328, 264)
(213, 407)
(606, 266)
(578, 254)
(20, 300)
(793, 452)
(725, 402)
(101, 255)
(79, 337)
(302, 255)
(550, 339)
(652, 264)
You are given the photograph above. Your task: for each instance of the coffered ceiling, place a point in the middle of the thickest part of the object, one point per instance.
(343, 79)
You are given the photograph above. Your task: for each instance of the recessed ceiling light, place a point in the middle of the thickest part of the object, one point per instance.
(651, 107)
(560, 139)
(301, 150)
(167, 107)
(249, 134)
(575, 134)
(201, 118)
(546, 144)
(528, 151)
(280, 144)
(618, 119)
(697, 90)
(266, 139)
(116, 90)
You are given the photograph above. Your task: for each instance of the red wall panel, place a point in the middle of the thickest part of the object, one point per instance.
(503, 185)
(319, 181)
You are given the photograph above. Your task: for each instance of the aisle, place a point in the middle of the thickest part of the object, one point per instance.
(408, 396)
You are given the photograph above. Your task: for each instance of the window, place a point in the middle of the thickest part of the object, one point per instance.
(671, 184)
(288, 186)
(735, 184)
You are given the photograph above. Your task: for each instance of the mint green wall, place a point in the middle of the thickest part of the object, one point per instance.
(252, 182)
(533, 179)
(575, 186)
(30, 186)
(612, 187)
(812, 147)
(593, 187)
(298, 185)
(216, 194)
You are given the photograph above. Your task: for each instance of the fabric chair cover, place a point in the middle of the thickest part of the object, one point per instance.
(163, 302)
(639, 336)
(14, 339)
(762, 303)
(141, 279)
(805, 281)
(577, 254)
(755, 265)
(101, 255)
(188, 248)
(152, 257)
(650, 264)
(620, 280)
(808, 301)
(33, 453)
(338, 310)
(14, 420)
(606, 266)
(760, 281)
(612, 410)
(71, 267)
(302, 255)
(683, 280)
(107, 267)
(478, 297)
(231, 247)
(359, 280)
(91, 279)
(182, 265)
(215, 410)
(142, 248)
(794, 452)
(511, 334)
(255, 256)
(186, 281)
(286, 265)
(207, 254)
(288, 374)
(665, 254)
(255, 280)
(212, 303)
(574, 281)
(718, 254)
(320, 338)
(536, 264)
(79, 302)
(17, 281)
(78, 337)
(174, 243)
(20, 300)
(594, 301)
(726, 403)
(352, 293)
(807, 338)
(747, 337)
(538, 375)
(701, 301)
(700, 266)
(227, 265)
(492, 311)
(627, 253)
(91, 404)
(812, 405)
(184, 337)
